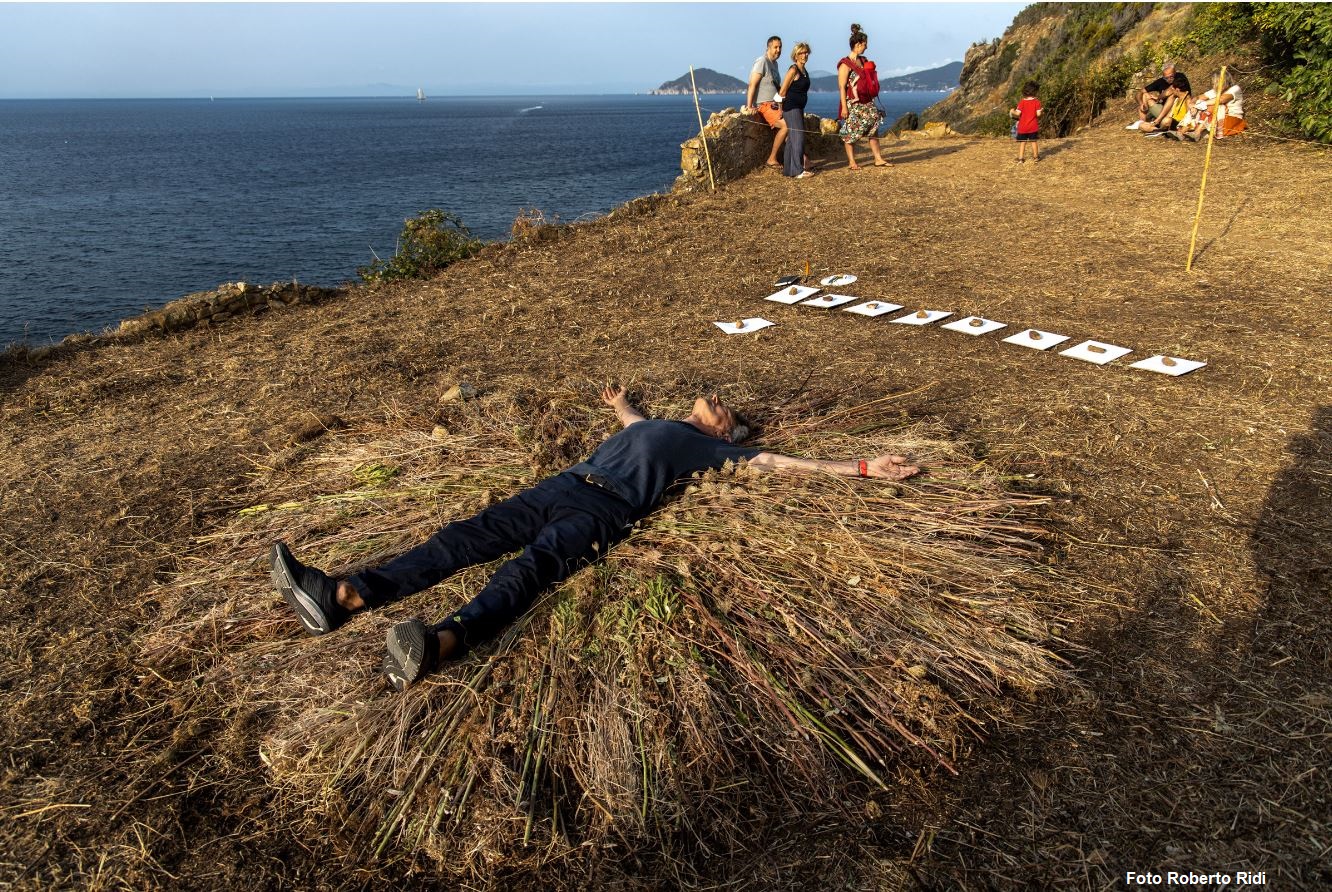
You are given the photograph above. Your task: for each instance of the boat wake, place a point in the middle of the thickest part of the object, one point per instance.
(533, 108)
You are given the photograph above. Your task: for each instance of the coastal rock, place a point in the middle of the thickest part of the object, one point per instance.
(460, 391)
(932, 130)
(908, 121)
(224, 302)
(738, 144)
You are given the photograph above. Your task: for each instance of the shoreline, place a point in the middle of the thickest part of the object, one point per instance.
(138, 297)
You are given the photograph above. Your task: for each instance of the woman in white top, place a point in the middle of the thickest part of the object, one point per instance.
(1229, 111)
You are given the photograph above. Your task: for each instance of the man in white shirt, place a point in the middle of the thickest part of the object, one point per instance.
(762, 99)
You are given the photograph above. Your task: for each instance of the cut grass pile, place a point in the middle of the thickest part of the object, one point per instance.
(798, 638)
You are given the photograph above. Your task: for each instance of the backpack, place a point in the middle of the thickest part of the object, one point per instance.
(868, 85)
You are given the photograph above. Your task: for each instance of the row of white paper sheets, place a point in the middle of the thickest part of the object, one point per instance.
(1097, 352)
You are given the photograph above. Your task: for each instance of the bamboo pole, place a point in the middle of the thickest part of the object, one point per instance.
(701, 135)
(1207, 161)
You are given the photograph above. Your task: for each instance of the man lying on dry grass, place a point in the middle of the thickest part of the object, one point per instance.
(560, 524)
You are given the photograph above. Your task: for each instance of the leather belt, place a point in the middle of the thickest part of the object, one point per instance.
(600, 482)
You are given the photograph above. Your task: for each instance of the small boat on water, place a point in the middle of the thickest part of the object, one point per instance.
(420, 95)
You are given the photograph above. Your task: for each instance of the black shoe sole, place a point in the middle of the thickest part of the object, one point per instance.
(308, 611)
(404, 663)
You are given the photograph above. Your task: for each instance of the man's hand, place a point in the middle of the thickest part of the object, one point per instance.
(890, 467)
(614, 397)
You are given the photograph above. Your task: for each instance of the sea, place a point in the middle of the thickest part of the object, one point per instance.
(109, 208)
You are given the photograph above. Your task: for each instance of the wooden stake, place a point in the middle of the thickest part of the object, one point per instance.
(1207, 161)
(706, 154)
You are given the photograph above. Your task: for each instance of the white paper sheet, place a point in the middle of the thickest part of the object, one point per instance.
(1036, 339)
(917, 319)
(1087, 351)
(745, 327)
(829, 300)
(837, 281)
(975, 325)
(874, 308)
(793, 294)
(1176, 367)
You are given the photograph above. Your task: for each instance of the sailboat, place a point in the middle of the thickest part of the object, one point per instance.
(420, 95)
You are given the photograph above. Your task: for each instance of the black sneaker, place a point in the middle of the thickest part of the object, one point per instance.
(310, 592)
(413, 650)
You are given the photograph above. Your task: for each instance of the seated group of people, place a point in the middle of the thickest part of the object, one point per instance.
(1167, 107)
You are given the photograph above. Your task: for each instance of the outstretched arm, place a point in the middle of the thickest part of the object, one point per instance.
(883, 467)
(615, 398)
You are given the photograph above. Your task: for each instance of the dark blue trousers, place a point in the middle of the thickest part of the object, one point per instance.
(561, 524)
(794, 160)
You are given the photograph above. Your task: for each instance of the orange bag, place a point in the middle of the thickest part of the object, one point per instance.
(1231, 126)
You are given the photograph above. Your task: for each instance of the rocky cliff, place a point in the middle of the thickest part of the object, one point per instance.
(1082, 55)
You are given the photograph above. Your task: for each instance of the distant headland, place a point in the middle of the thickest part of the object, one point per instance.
(945, 77)
(708, 81)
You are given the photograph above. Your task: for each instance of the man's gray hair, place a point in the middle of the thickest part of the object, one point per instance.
(740, 429)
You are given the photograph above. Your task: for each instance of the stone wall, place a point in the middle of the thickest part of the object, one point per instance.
(739, 144)
(226, 301)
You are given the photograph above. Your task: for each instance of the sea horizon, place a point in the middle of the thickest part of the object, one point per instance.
(113, 207)
(407, 96)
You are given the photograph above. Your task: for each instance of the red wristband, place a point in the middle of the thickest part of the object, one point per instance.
(864, 468)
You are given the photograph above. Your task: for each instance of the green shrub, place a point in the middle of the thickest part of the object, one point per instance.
(1294, 43)
(1297, 41)
(996, 123)
(429, 242)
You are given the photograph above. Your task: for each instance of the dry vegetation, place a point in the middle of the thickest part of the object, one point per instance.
(1094, 638)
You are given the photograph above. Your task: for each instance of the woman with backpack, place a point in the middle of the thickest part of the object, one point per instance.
(858, 84)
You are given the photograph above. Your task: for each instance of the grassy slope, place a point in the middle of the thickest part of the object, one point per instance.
(1198, 506)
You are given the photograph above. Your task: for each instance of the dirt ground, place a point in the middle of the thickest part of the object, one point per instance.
(1199, 508)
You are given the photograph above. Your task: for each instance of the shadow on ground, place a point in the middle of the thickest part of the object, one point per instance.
(1201, 725)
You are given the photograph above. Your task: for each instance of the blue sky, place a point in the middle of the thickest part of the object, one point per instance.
(150, 50)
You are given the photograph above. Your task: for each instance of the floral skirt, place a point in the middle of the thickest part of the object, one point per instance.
(862, 120)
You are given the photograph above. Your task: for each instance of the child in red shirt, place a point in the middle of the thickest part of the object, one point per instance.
(1028, 115)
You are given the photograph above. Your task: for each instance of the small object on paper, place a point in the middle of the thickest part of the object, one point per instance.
(1097, 352)
(837, 281)
(874, 308)
(829, 300)
(743, 326)
(975, 325)
(1168, 365)
(922, 317)
(793, 295)
(1036, 339)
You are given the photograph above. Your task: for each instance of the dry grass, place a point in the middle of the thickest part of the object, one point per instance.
(791, 637)
(141, 656)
